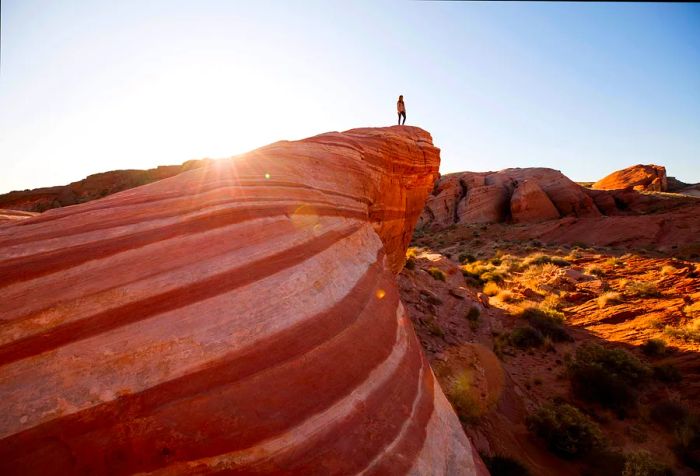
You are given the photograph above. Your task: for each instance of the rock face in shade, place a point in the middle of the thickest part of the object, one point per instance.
(242, 318)
(529, 204)
(651, 178)
(486, 197)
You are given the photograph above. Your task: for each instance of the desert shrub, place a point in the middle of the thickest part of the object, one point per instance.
(667, 373)
(561, 262)
(525, 337)
(654, 347)
(496, 261)
(494, 276)
(506, 295)
(595, 270)
(499, 465)
(541, 258)
(461, 394)
(567, 432)
(607, 376)
(642, 463)
(473, 317)
(614, 262)
(689, 332)
(491, 288)
(609, 298)
(410, 263)
(436, 273)
(500, 342)
(669, 413)
(466, 258)
(548, 322)
(641, 289)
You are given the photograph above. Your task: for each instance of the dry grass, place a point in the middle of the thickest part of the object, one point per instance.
(609, 298)
(641, 289)
(689, 332)
(491, 288)
(506, 295)
(595, 270)
(462, 395)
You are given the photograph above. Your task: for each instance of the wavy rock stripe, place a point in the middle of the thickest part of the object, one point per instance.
(239, 318)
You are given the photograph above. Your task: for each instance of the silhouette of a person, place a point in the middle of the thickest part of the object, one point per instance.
(401, 109)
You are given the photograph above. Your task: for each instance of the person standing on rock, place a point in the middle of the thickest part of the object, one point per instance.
(401, 108)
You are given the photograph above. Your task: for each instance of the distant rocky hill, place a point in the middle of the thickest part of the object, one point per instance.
(91, 188)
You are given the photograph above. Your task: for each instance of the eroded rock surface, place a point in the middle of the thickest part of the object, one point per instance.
(242, 317)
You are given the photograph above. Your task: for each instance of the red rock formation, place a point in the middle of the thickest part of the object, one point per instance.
(640, 177)
(529, 204)
(485, 197)
(241, 318)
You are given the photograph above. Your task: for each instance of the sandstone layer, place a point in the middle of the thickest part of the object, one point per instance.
(651, 178)
(242, 318)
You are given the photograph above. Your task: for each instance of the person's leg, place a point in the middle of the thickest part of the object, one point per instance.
(403, 114)
(399, 118)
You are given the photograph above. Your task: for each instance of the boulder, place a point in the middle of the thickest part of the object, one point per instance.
(241, 318)
(529, 204)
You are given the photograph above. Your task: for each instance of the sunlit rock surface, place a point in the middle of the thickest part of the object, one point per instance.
(640, 177)
(241, 318)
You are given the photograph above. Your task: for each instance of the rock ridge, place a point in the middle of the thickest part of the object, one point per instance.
(242, 317)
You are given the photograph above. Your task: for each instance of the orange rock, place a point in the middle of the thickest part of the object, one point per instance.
(530, 204)
(242, 317)
(638, 177)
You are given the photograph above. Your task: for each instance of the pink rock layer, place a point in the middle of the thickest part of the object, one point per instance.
(240, 318)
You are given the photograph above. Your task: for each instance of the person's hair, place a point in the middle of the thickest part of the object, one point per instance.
(401, 97)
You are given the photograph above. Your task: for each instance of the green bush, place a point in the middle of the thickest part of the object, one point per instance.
(567, 432)
(547, 322)
(436, 273)
(504, 466)
(607, 376)
(654, 347)
(525, 337)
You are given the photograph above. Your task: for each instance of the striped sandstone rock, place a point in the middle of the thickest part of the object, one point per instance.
(240, 318)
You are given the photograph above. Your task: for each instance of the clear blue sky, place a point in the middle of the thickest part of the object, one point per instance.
(91, 86)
